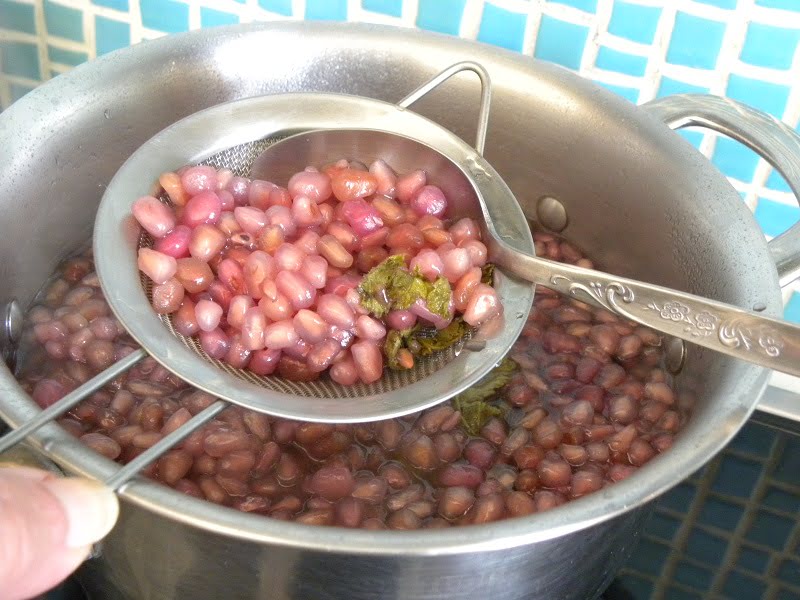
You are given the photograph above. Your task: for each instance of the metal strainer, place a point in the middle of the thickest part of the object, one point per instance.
(233, 135)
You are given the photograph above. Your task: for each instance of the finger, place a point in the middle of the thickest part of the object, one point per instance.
(47, 527)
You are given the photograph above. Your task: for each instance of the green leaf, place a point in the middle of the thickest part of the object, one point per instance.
(475, 403)
(395, 341)
(438, 298)
(405, 289)
(487, 274)
(390, 286)
(444, 338)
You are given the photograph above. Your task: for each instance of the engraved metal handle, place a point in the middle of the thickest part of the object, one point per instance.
(746, 335)
(774, 141)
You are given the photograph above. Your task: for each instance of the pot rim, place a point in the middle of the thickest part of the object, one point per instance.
(654, 479)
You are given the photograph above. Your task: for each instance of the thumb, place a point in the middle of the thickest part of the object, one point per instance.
(47, 527)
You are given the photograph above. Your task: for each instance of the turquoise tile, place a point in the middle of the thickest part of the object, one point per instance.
(210, 17)
(20, 59)
(63, 22)
(115, 4)
(165, 15)
(739, 585)
(706, 547)
(684, 47)
(768, 46)
(754, 439)
(679, 498)
(17, 16)
(620, 62)
(781, 500)
(791, 311)
(752, 559)
(634, 22)
(789, 571)
(721, 514)
(777, 182)
(693, 576)
(769, 97)
(630, 94)
(589, 6)
(392, 8)
(694, 137)
(443, 16)
(282, 7)
(560, 42)
(663, 526)
(18, 91)
(649, 557)
(769, 530)
(638, 587)
(676, 593)
(110, 35)
(326, 10)
(66, 57)
(668, 86)
(735, 159)
(502, 27)
(783, 4)
(787, 594)
(788, 467)
(719, 3)
(736, 476)
(776, 217)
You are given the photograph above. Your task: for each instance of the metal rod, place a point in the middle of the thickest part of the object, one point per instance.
(70, 400)
(486, 95)
(123, 476)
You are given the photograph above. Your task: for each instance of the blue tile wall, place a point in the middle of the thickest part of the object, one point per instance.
(723, 543)
(638, 49)
(18, 17)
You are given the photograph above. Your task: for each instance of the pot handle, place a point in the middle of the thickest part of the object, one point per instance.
(771, 139)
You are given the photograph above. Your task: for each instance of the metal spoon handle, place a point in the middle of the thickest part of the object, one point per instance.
(743, 334)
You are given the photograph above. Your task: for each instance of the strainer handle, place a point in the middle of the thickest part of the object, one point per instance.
(486, 95)
(70, 400)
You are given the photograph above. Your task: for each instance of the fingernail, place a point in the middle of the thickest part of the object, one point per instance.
(91, 508)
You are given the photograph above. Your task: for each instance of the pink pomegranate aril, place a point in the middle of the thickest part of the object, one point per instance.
(368, 359)
(154, 216)
(350, 184)
(157, 266)
(205, 208)
(429, 200)
(199, 179)
(313, 185)
(408, 185)
(171, 182)
(175, 243)
(296, 289)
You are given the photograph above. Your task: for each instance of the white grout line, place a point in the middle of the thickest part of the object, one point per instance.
(471, 19)
(533, 21)
(658, 56)
(5, 88)
(592, 46)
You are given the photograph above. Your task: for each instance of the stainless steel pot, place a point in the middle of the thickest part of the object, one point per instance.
(638, 199)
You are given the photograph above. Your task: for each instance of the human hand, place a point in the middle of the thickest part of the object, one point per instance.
(47, 527)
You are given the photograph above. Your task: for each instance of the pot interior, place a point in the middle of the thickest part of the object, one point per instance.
(639, 200)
